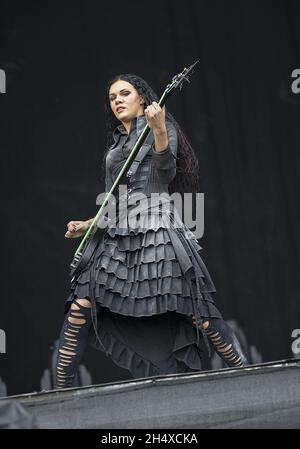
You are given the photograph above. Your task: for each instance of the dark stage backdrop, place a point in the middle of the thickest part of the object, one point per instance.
(239, 113)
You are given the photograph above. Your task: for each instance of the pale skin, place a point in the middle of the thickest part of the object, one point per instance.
(126, 103)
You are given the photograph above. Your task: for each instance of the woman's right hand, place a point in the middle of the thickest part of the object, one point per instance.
(76, 229)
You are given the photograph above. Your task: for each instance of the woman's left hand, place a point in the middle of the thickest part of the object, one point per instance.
(155, 116)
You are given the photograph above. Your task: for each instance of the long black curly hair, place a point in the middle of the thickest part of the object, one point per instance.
(187, 168)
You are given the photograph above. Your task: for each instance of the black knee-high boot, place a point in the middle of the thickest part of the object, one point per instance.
(225, 343)
(72, 343)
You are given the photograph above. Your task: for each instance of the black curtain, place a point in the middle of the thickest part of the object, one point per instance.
(239, 113)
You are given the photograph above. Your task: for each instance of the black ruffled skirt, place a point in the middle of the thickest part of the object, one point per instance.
(145, 282)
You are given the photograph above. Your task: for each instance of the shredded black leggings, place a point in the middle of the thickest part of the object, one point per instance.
(72, 342)
(225, 342)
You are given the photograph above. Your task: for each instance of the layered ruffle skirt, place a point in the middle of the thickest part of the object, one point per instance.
(145, 282)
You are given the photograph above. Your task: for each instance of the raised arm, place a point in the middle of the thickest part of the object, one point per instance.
(165, 160)
(164, 151)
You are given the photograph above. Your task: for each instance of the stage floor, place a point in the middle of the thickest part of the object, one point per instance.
(265, 395)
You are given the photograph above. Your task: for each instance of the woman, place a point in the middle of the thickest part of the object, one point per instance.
(145, 297)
